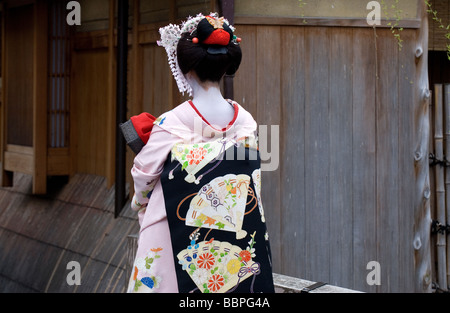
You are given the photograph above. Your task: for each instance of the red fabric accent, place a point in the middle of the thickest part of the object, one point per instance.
(236, 111)
(218, 37)
(143, 124)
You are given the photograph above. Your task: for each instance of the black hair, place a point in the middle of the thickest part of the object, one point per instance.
(207, 66)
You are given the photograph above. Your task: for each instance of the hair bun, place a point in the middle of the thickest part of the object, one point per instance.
(214, 31)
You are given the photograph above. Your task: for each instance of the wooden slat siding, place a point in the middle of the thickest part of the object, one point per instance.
(292, 152)
(245, 79)
(364, 162)
(388, 228)
(75, 223)
(18, 74)
(90, 101)
(317, 153)
(156, 74)
(98, 257)
(319, 21)
(341, 155)
(406, 158)
(438, 41)
(268, 99)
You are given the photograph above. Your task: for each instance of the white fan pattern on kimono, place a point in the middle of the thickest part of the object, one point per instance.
(221, 204)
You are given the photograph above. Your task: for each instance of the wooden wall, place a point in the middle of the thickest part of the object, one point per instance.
(438, 41)
(90, 73)
(342, 195)
(23, 111)
(19, 49)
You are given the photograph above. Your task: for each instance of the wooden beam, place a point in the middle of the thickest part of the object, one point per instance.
(289, 284)
(121, 105)
(6, 177)
(40, 98)
(111, 108)
(320, 21)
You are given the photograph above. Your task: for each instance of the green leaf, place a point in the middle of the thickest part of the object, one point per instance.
(137, 284)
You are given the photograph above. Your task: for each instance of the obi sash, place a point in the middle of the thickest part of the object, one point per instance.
(216, 219)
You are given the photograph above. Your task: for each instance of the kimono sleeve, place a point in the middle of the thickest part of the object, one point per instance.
(148, 165)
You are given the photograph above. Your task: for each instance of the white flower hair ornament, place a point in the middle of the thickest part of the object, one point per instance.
(171, 35)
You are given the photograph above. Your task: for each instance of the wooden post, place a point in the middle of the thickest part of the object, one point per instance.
(111, 108)
(40, 98)
(440, 189)
(121, 103)
(422, 214)
(6, 177)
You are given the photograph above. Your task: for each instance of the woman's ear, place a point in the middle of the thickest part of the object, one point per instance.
(189, 78)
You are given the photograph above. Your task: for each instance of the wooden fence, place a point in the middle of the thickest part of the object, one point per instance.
(439, 161)
(352, 183)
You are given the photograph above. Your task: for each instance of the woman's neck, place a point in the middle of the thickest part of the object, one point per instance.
(209, 101)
